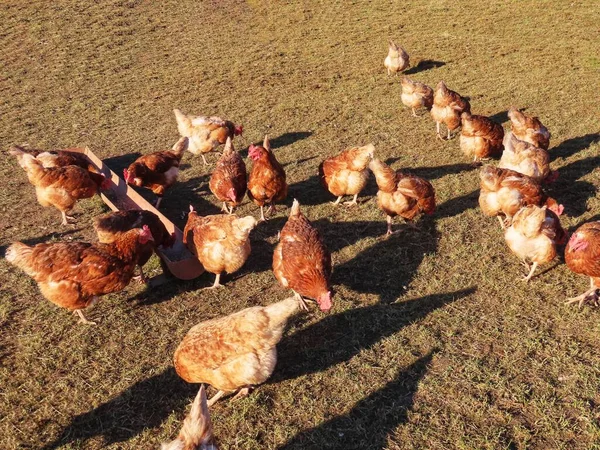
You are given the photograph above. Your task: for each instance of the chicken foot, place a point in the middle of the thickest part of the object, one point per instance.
(204, 159)
(217, 283)
(528, 277)
(353, 202)
(243, 392)
(590, 295)
(82, 318)
(301, 300)
(337, 202)
(141, 278)
(65, 218)
(227, 209)
(215, 397)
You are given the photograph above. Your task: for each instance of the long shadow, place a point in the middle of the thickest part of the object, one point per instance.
(289, 138)
(574, 145)
(501, 117)
(45, 238)
(572, 192)
(118, 163)
(143, 405)
(310, 191)
(458, 205)
(432, 173)
(424, 65)
(338, 338)
(367, 425)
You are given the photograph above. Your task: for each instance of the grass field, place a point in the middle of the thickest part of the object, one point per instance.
(433, 341)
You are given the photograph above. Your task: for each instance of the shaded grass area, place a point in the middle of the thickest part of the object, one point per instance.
(433, 341)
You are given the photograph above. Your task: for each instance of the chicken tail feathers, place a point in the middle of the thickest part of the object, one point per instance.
(184, 124)
(295, 208)
(18, 254)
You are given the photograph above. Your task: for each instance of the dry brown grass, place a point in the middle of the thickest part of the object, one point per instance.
(433, 341)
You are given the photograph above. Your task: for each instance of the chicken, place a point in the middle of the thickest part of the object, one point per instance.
(504, 191)
(302, 262)
(527, 159)
(112, 225)
(73, 275)
(157, 171)
(205, 133)
(396, 60)
(347, 173)
(582, 256)
(266, 183)
(401, 194)
(447, 108)
(416, 95)
(221, 242)
(56, 158)
(228, 180)
(480, 137)
(235, 352)
(196, 432)
(60, 187)
(528, 129)
(533, 236)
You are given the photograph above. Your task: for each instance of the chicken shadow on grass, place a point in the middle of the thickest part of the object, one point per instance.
(338, 338)
(423, 65)
(143, 405)
(372, 419)
(574, 145)
(502, 116)
(572, 192)
(118, 163)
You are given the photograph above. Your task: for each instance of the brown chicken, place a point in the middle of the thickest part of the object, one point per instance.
(528, 129)
(196, 432)
(60, 187)
(73, 275)
(402, 194)
(447, 108)
(221, 242)
(416, 95)
(112, 225)
(266, 184)
(480, 137)
(396, 60)
(228, 181)
(302, 262)
(505, 192)
(527, 159)
(56, 158)
(205, 133)
(236, 352)
(533, 236)
(347, 173)
(582, 256)
(157, 171)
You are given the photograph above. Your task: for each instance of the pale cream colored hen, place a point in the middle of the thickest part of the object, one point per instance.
(236, 352)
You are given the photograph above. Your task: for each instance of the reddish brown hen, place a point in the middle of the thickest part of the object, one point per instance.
(228, 181)
(347, 173)
(447, 108)
(505, 192)
(56, 158)
(402, 194)
(266, 184)
(157, 171)
(528, 129)
(301, 260)
(112, 225)
(416, 95)
(73, 275)
(60, 187)
(582, 256)
(480, 137)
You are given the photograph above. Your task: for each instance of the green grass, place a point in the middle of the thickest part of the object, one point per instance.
(433, 341)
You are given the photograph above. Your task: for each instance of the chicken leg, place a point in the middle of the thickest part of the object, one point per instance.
(158, 200)
(389, 226)
(65, 218)
(337, 202)
(353, 202)
(215, 397)
(528, 277)
(242, 393)
(82, 318)
(217, 283)
(262, 214)
(414, 113)
(590, 295)
(204, 159)
(301, 300)
(141, 278)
